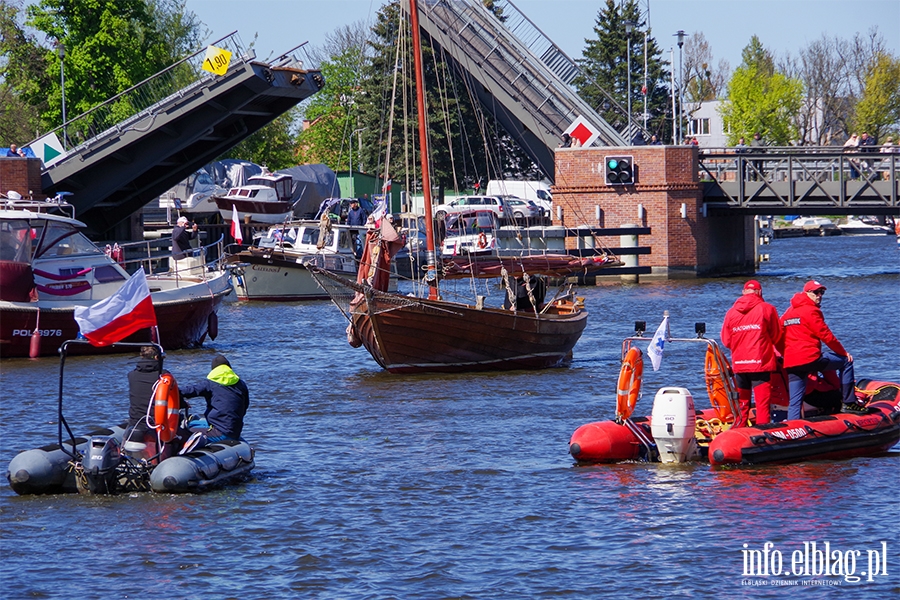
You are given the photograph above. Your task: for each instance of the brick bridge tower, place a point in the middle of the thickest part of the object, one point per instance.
(667, 197)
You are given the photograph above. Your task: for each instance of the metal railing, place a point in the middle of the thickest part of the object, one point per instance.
(155, 257)
(139, 101)
(793, 177)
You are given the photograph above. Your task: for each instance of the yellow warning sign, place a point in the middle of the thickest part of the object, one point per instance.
(217, 60)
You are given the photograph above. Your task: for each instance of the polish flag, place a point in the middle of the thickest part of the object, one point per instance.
(236, 226)
(387, 186)
(115, 318)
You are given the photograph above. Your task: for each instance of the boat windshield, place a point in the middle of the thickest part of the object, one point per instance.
(61, 239)
(278, 236)
(470, 224)
(15, 240)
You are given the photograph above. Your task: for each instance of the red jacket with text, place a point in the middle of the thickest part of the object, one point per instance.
(751, 331)
(805, 331)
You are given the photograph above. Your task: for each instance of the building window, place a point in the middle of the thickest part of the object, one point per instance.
(699, 127)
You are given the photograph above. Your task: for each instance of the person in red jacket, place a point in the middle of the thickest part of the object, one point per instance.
(751, 331)
(804, 333)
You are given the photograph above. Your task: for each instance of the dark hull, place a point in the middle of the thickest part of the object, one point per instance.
(817, 438)
(415, 335)
(259, 207)
(183, 324)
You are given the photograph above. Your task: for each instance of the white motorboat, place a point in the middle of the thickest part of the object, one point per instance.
(274, 266)
(266, 199)
(48, 267)
(855, 226)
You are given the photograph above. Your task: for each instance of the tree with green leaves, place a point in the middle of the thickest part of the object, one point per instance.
(761, 99)
(605, 70)
(110, 45)
(878, 110)
(331, 113)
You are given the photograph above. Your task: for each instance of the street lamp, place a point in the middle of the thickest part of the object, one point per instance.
(61, 51)
(629, 26)
(680, 35)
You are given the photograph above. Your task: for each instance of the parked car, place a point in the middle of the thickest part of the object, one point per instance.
(524, 212)
(495, 204)
(817, 226)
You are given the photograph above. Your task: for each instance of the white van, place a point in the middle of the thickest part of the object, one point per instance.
(537, 191)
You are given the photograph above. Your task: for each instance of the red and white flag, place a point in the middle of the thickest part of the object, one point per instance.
(236, 226)
(387, 186)
(115, 318)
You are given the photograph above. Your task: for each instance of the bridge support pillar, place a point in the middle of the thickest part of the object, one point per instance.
(667, 197)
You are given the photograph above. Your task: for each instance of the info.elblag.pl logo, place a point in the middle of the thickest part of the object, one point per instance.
(813, 560)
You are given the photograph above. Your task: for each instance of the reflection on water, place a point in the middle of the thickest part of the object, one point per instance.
(371, 485)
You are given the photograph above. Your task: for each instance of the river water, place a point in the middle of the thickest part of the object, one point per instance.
(370, 485)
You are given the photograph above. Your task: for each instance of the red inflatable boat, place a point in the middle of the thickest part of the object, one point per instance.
(677, 432)
(842, 435)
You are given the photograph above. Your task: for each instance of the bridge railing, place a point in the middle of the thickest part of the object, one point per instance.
(138, 101)
(793, 177)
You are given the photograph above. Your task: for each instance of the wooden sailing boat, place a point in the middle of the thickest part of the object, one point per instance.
(409, 334)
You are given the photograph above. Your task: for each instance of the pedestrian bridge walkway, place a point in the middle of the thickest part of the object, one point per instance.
(799, 180)
(124, 153)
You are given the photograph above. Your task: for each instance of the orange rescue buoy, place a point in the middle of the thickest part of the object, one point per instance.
(716, 383)
(166, 402)
(629, 386)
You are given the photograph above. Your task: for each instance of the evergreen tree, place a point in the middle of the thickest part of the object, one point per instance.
(457, 150)
(761, 99)
(605, 69)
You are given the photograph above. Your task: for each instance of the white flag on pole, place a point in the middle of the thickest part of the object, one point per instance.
(657, 344)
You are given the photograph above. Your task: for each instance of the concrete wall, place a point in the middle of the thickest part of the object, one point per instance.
(665, 179)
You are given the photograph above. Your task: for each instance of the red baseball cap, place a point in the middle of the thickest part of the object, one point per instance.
(812, 286)
(753, 285)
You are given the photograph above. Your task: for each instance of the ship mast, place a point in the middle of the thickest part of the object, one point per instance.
(431, 273)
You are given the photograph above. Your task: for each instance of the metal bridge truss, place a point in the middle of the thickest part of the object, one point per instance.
(130, 149)
(800, 181)
(529, 94)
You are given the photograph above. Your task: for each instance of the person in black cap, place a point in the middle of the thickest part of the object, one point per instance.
(140, 388)
(227, 398)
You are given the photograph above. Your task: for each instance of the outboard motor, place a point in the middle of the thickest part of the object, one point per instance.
(98, 467)
(673, 423)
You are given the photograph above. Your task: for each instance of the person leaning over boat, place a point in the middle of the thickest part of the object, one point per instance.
(227, 398)
(751, 331)
(182, 235)
(804, 333)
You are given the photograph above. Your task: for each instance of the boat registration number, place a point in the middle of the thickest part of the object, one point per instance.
(41, 332)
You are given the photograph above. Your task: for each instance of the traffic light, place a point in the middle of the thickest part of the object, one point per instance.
(619, 170)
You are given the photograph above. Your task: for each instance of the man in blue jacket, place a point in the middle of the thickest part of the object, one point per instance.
(227, 399)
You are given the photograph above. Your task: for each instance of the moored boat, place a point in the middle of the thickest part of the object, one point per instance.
(855, 226)
(265, 199)
(274, 267)
(48, 267)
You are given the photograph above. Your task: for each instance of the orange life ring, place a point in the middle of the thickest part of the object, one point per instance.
(716, 382)
(166, 402)
(629, 386)
(482, 241)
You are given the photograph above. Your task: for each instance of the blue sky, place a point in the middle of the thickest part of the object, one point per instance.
(782, 25)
